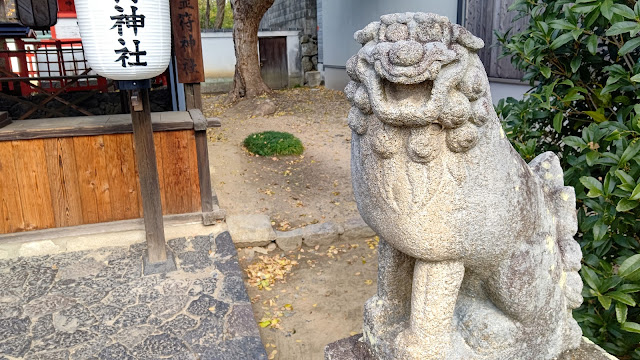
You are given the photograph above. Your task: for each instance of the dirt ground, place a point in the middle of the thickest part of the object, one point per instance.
(306, 299)
(295, 190)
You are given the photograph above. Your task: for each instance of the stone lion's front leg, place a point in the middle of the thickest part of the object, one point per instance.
(386, 313)
(433, 301)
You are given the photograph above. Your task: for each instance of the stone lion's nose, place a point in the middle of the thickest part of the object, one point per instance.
(406, 53)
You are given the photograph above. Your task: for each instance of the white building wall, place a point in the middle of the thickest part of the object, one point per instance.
(339, 19)
(220, 60)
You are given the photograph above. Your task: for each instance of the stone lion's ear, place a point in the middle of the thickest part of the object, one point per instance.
(368, 33)
(465, 38)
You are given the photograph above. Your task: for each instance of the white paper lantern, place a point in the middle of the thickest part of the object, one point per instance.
(125, 39)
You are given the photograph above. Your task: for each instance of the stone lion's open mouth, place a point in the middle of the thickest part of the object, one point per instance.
(406, 95)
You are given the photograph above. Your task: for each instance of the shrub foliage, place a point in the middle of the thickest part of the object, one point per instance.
(581, 59)
(270, 143)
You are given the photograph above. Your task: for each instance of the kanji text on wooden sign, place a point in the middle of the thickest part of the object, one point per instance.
(186, 40)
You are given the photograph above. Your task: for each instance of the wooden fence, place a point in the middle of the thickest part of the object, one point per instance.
(65, 181)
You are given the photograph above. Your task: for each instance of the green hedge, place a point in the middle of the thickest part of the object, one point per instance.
(581, 58)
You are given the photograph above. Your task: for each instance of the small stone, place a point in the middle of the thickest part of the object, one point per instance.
(305, 38)
(43, 327)
(134, 315)
(250, 230)
(14, 327)
(201, 243)
(241, 322)
(133, 335)
(192, 261)
(323, 234)
(87, 268)
(105, 313)
(115, 352)
(307, 64)
(203, 286)
(240, 348)
(228, 267)
(178, 245)
(309, 49)
(168, 306)
(16, 346)
(73, 318)
(289, 240)
(180, 325)
(224, 245)
(206, 305)
(162, 345)
(356, 229)
(208, 332)
(264, 108)
(233, 289)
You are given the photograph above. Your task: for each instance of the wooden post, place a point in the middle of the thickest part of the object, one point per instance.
(149, 181)
(187, 43)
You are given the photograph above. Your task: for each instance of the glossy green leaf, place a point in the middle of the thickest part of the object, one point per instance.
(561, 40)
(623, 10)
(630, 152)
(631, 327)
(622, 297)
(605, 301)
(592, 44)
(635, 193)
(626, 205)
(557, 122)
(623, 27)
(574, 141)
(629, 45)
(546, 71)
(575, 63)
(606, 10)
(591, 183)
(598, 117)
(630, 268)
(590, 277)
(621, 312)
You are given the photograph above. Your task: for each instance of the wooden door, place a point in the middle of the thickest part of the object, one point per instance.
(273, 61)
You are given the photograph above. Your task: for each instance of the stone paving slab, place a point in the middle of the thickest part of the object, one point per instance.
(98, 305)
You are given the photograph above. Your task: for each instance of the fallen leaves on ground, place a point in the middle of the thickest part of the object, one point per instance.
(373, 243)
(264, 273)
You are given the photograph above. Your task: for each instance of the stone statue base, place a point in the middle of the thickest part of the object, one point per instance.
(352, 349)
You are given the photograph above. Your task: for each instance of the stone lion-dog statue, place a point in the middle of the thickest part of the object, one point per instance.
(477, 258)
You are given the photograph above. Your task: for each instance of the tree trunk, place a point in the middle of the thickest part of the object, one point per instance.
(220, 5)
(247, 80)
(207, 15)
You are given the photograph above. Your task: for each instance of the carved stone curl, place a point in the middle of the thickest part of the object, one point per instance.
(477, 258)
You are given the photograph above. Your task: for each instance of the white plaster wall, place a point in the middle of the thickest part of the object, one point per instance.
(503, 90)
(341, 18)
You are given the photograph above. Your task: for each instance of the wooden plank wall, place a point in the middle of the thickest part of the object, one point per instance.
(482, 18)
(58, 182)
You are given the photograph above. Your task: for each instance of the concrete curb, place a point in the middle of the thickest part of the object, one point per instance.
(320, 234)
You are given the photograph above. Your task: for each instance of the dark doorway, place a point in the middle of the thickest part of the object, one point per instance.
(273, 61)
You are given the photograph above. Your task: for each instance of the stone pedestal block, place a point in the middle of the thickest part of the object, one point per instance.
(313, 78)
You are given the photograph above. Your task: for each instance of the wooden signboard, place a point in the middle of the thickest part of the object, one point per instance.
(185, 22)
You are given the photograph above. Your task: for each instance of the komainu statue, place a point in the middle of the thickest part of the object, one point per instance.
(477, 258)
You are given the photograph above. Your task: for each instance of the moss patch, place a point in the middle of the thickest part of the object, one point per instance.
(273, 143)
